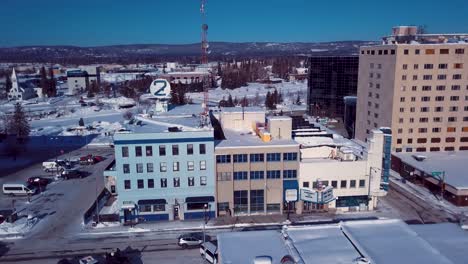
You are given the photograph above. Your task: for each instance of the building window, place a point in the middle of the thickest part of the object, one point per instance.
(450, 140)
(257, 157)
(402, 99)
(436, 130)
(273, 174)
(423, 120)
(125, 152)
(415, 77)
(240, 158)
(455, 87)
(458, 66)
(175, 150)
(422, 130)
(425, 99)
(139, 167)
(140, 184)
(162, 167)
(273, 156)
(428, 66)
(416, 66)
(454, 98)
(430, 51)
(224, 176)
(435, 140)
(149, 167)
(203, 180)
(189, 149)
(443, 66)
(439, 109)
(305, 184)
(191, 181)
(162, 150)
(150, 183)
(405, 66)
(149, 151)
(202, 148)
(421, 140)
(352, 184)
(410, 141)
(440, 87)
(256, 201)
(439, 98)
(406, 51)
(176, 182)
(459, 51)
(289, 174)
(223, 158)
(190, 165)
(240, 175)
(343, 184)
(163, 183)
(334, 184)
(145, 208)
(399, 141)
(257, 175)
(444, 51)
(403, 77)
(427, 77)
(241, 200)
(437, 119)
(290, 156)
(138, 151)
(452, 119)
(126, 168)
(457, 77)
(453, 109)
(426, 88)
(203, 165)
(127, 184)
(175, 166)
(424, 109)
(362, 183)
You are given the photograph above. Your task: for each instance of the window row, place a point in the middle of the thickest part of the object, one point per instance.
(334, 184)
(162, 150)
(433, 51)
(429, 66)
(163, 167)
(432, 149)
(432, 140)
(428, 77)
(256, 175)
(256, 157)
(150, 184)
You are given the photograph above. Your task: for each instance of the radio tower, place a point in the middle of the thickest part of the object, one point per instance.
(204, 53)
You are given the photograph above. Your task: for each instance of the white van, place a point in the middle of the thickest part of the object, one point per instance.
(209, 251)
(18, 189)
(51, 166)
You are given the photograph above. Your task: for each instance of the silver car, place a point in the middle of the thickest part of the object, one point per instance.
(192, 239)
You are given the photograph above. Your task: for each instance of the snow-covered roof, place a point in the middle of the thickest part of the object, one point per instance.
(250, 139)
(248, 109)
(243, 247)
(452, 163)
(322, 244)
(391, 241)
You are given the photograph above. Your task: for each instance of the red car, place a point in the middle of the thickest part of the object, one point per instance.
(98, 159)
(38, 181)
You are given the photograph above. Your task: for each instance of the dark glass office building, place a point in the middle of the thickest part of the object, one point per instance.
(330, 80)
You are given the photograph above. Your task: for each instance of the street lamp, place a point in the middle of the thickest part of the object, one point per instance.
(205, 206)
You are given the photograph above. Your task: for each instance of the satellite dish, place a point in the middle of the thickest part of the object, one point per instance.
(160, 89)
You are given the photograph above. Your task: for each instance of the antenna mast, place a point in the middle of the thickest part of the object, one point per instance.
(204, 53)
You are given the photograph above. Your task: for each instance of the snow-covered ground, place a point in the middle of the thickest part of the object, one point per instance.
(18, 228)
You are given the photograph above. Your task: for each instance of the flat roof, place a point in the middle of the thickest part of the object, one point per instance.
(453, 163)
(243, 247)
(248, 109)
(250, 139)
(391, 241)
(323, 244)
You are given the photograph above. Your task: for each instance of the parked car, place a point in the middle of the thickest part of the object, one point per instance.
(88, 260)
(191, 239)
(98, 159)
(87, 160)
(209, 251)
(38, 181)
(71, 174)
(18, 189)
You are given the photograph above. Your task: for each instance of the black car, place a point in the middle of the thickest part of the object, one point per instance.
(71, 174)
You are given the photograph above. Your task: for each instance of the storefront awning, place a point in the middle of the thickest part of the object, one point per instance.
(152, 201)
(128, 205)
(199, 199)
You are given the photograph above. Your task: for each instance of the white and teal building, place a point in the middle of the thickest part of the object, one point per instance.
(165, 175)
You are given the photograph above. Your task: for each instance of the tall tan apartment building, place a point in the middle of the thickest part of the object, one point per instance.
(416, 84)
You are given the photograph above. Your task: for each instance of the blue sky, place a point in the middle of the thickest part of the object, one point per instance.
(105, 22)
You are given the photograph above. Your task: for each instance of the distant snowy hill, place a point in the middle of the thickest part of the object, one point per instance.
(141, 52)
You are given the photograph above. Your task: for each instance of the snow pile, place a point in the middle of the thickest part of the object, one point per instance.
(21, 226)
(47, 131)
(106, 224)
(118, 101)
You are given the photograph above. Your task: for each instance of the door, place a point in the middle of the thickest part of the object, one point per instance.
(127, 215)
(176, 212)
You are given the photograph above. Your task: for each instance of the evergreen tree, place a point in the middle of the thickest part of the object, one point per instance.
(280, 98)
(8, 83)
(44, 82)
(52, 87)
(174, 95)
(220, 71)
(236, 102)
(19, 125)
(181, 93)
(275, 97)
(81, 122)
(230, 103)
(268, 100)
(298, 99)
(244, 102)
